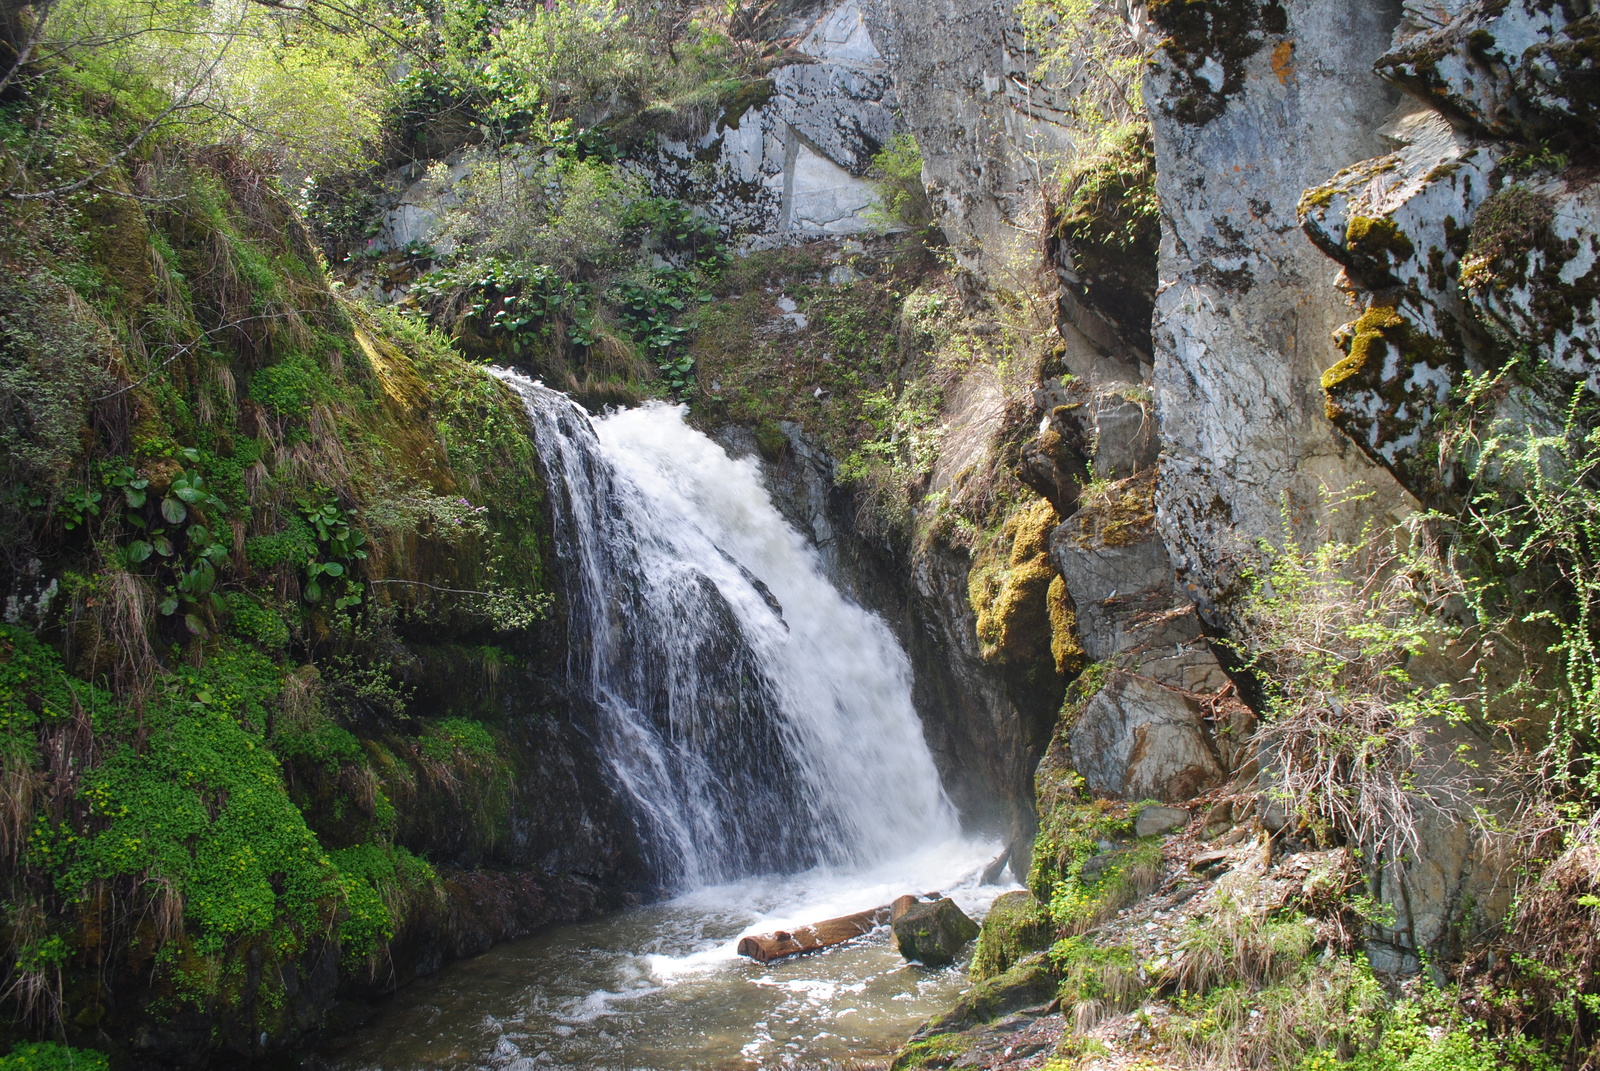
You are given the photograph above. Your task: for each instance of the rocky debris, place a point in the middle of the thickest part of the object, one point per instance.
(1153, 821)
(1015, 1022)
(933, 933)
(1109, 432)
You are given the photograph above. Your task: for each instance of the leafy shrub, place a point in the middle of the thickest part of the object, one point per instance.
(902, 199)
(1333, 629)
(249, 618)
(292, 386)
(49, 1056)
(462, 735)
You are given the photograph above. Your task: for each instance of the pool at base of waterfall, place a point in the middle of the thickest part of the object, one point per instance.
(661, 987)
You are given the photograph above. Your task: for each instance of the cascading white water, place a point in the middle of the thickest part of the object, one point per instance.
(756, 719)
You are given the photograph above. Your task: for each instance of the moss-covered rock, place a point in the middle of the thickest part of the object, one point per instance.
(1028, 984)
(1010, 585)
(1016, 925)
(933, 933)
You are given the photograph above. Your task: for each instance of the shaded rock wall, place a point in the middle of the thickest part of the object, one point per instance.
(1250, 104)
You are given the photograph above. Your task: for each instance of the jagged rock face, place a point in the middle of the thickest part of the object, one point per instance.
(1461, 251)
(792, 167)
(1396, 223)
(1148, 733)
(955, 66)
(783, 160)
(1522, 70)
(1250, 104)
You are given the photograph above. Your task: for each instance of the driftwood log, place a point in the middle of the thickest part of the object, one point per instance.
(781, 944)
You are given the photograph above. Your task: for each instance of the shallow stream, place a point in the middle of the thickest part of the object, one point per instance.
(661, 987)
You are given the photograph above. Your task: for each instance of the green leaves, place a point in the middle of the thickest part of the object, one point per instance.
(341, 548)
(77, 506)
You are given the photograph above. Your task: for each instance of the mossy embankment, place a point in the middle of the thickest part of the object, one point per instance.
(280, 709)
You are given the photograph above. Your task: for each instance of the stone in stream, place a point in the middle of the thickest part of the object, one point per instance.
(932, 933)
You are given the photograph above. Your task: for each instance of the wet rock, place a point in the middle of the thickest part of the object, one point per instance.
(933, 933)
(1029, 984)
(1156, 820)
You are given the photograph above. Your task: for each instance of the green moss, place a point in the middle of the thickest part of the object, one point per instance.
(747, 96)
(453, 735)
(202, 805)
(1016, 925)
(1110, 220)
(1066, 649)
(1028, 984)
(1508, 226)
(49, 1056)
(1373, 248)
(932, 1052)
(251, 619)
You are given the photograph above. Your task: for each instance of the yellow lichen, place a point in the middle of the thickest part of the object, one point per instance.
(1117, 514)
(1064, 645)
(1369, 330)
(1378, 238)
(1011, 600)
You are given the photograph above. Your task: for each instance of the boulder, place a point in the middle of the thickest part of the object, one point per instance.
(1016, 925)
(933, 933)
(1138, 739)
(1156, 820)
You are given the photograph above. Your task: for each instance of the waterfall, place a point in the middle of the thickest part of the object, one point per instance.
(756, 719)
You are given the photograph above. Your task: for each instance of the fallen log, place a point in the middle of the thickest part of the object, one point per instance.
(766, 947)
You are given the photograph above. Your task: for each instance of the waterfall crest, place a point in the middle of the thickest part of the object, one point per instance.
(755, 718)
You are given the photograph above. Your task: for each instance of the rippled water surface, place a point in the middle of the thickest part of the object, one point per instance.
(661, 987)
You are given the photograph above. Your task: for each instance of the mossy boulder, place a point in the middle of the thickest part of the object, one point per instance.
(1028, 984)
(1017, 924)
(933, 933)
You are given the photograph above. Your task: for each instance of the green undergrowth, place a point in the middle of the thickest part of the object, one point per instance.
(1087, 865)
(49, 1056)
(288, 555)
